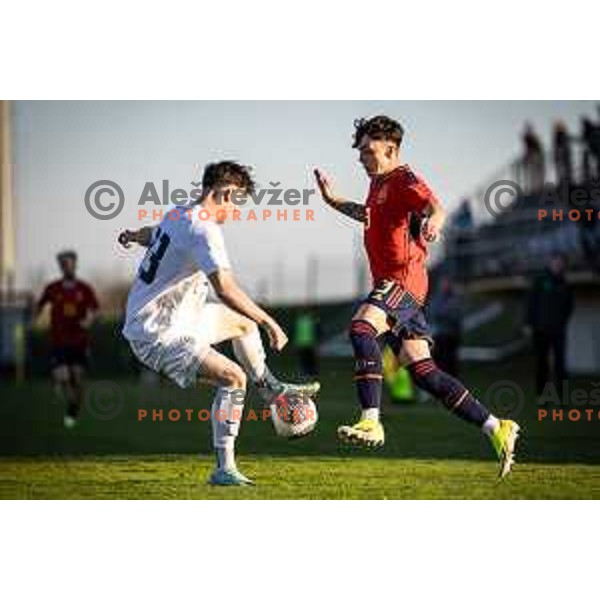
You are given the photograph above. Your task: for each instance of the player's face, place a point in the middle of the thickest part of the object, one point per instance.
(377, 156)
(67, 267)
(226, 206)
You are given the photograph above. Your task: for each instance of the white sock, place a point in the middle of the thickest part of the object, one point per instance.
(370, 413)
(490, 425)
(226, 416)
(250, 352)
(226, 457)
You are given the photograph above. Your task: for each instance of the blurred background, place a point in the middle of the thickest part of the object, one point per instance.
(310, 274)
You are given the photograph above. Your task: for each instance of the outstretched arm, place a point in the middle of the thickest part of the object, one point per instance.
(140, 236)
(354, 210)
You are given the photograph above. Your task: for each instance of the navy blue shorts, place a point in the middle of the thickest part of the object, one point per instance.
(68, 356)
(405, 315)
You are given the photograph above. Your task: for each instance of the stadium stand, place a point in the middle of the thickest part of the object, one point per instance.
(495, 244)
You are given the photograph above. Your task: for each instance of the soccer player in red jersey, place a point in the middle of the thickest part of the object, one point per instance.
(393, 311)
(73, 308)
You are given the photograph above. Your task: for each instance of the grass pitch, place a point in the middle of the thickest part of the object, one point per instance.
(428, 453)
(182, 477)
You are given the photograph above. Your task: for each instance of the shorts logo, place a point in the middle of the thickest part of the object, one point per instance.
(390, 293)
(382, 290)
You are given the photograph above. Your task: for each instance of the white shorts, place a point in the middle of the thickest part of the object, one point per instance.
(180, 351)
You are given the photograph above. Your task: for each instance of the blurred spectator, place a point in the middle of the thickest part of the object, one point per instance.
(445, 313)
(306, 341)
(590, 133)
(550, 305)
(462, 217)
(533, 160)
(459, 231)
(563, 159)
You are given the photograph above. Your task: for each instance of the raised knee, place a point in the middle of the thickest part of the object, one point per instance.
(250, 326)
(247, 326)
(235, 377)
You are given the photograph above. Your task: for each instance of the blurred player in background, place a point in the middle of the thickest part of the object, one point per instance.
(306, 342)
(172, 329)
(73, 308)
(550, 305)
(393, 311)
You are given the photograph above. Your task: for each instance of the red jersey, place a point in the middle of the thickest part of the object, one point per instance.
(391, 251)
(70, 302)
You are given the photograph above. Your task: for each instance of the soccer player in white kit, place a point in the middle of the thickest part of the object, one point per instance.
(172, 329)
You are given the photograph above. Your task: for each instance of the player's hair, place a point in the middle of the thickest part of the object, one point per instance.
(63, 254)
(378, 128)
(228, 172)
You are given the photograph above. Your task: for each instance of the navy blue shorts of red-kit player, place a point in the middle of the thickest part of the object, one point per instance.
(70, 356)
(405, 315)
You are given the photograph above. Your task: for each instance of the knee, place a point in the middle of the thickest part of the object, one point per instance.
(362, 332)
(235, 377)
(247, 326)
(61, 375)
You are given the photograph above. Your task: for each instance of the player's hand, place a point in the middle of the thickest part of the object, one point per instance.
(277, 336)
(325, 187)
(432, 228)
(126, 237)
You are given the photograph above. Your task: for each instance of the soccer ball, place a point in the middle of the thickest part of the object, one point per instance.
(293, 416)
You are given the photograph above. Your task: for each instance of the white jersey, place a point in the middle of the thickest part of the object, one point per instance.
(171, 284)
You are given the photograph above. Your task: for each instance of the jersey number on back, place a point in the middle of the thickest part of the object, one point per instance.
(154, 254)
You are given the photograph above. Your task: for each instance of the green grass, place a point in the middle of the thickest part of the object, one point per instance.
(182, 477)
(428, 453)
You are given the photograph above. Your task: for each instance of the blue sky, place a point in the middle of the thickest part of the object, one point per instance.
(60, 148)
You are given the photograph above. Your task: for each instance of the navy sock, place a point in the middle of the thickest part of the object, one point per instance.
(368, 367)
(449, 391)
